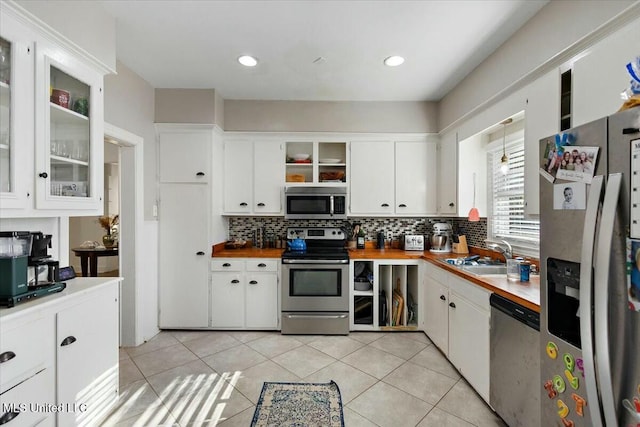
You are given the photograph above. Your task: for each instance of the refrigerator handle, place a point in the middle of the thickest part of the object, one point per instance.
(601, 297)
(586, 290)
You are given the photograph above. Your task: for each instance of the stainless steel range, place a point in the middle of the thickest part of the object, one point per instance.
(315, 293)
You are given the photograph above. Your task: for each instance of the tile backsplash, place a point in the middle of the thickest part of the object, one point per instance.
(242, 227)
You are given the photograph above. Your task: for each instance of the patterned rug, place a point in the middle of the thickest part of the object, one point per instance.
(299, 405)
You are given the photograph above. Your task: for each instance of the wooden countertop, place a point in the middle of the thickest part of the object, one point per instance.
(523, 293)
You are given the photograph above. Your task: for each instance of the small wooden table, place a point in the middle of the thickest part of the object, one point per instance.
(92, 254)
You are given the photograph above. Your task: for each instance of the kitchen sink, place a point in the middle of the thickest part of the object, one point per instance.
(484, 269)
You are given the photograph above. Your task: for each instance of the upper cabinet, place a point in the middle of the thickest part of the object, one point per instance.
(448, 174)
(253, 177)
(396, 178)
(51, 124)
(313, 163)
(184, 153)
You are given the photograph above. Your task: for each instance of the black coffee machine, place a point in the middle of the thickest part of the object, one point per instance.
(42, 269)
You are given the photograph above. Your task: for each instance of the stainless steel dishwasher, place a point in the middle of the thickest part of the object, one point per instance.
(514, 391)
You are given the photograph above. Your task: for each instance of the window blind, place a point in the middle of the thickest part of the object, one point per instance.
(507, 217)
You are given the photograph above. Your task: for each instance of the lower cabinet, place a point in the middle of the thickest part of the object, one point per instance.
(458, 321)
(244, 293)
(59, 356)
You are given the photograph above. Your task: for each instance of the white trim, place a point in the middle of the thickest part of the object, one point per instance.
(45, 30)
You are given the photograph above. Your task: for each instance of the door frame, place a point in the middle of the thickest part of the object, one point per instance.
(130, 232)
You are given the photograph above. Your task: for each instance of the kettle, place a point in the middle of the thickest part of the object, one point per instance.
(297, 244)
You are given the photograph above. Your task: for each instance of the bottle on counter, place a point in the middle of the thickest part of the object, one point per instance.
(360, 239)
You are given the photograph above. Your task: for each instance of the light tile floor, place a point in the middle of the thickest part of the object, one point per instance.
(208, 378)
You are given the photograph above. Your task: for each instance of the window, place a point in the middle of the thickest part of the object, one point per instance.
(506, 197)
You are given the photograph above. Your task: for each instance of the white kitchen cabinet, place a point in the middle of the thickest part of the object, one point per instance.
(184, 251)
(184, 154)
(541, 119)
(365, 306)
(244, 293)
(69, 133)
(88, 330)
(326, 164)
(448, 174)
(462, 309)
(253, 177)
(393, 178)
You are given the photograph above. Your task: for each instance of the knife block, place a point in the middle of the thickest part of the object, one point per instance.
(460, 247)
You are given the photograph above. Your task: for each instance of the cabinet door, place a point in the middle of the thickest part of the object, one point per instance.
(262, 300)
(238, 177)
(448, 174)
(16, 107)
(542, 119)
(372, 177)
(268, 167)
(69, 133)
(184, 249)
(87, 357)
(469, 342)
(184, 156)
(415, 178)
(436, 313)
(227, 300)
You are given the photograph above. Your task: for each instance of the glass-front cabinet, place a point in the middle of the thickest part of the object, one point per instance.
(5, 116)
(69, 132)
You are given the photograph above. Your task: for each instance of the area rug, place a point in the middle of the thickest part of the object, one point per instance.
(299, 405)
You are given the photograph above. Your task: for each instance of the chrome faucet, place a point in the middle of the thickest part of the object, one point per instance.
(508, 252)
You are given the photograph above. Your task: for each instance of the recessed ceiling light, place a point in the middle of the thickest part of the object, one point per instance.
(393, 61)
(248, 61)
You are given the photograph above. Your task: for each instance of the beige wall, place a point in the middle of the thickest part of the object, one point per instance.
(129, 105)
(556, 27)
(85, 23)
(186, 106)
(324, 116)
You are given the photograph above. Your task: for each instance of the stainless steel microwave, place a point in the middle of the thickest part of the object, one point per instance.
(315, 203)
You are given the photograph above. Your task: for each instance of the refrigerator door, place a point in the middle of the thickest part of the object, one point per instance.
(623, 324)
(564, 398)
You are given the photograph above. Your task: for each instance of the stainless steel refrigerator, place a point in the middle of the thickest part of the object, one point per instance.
(590, 326)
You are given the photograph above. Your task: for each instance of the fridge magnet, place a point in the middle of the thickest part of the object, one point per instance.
(553, 154)
(633, 274)
(573, 381)
(563, 409)
(558, 384)
(580, 404)
(580, 366)
(578, 164)
(567, 423)
(552, 350)
(569, 361)
(548, 385)
(570, 195)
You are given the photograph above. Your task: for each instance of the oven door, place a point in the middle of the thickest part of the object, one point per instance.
(315, 287)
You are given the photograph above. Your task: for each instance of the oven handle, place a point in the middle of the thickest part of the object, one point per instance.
(315, 316)
(315, 261)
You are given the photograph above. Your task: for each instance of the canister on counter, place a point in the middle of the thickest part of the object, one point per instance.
(525, 270)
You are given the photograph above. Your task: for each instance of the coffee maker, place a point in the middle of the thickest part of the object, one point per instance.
(441, 238)
(26, 269)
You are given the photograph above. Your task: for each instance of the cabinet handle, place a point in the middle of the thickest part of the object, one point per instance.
(253, 282)
(261, 204)
(8, 416)
(199, 253)
(200, 174)
(452, 305)
(43, 175)
(68, 341)
(451, 204)
(443, 298)
(629, 131)
(262, 265)
(385, 205)
(234, 281)
(6, 356)
(243, 204)
(402, 205)
(226, 264)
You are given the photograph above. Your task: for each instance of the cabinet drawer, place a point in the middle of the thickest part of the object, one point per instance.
(262, 265)
(23, 401)
(25, 350)
(440, 275)
(227, 265)
(471, 292)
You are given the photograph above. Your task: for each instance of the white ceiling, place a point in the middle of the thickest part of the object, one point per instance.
(195, 44)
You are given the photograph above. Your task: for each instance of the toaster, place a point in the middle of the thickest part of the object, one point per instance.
(413, 242)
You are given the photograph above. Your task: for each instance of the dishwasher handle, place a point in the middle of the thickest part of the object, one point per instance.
(516, 311)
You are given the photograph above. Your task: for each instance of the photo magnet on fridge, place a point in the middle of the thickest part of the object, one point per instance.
(570, 195)
(578, 163)
(633, 273)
